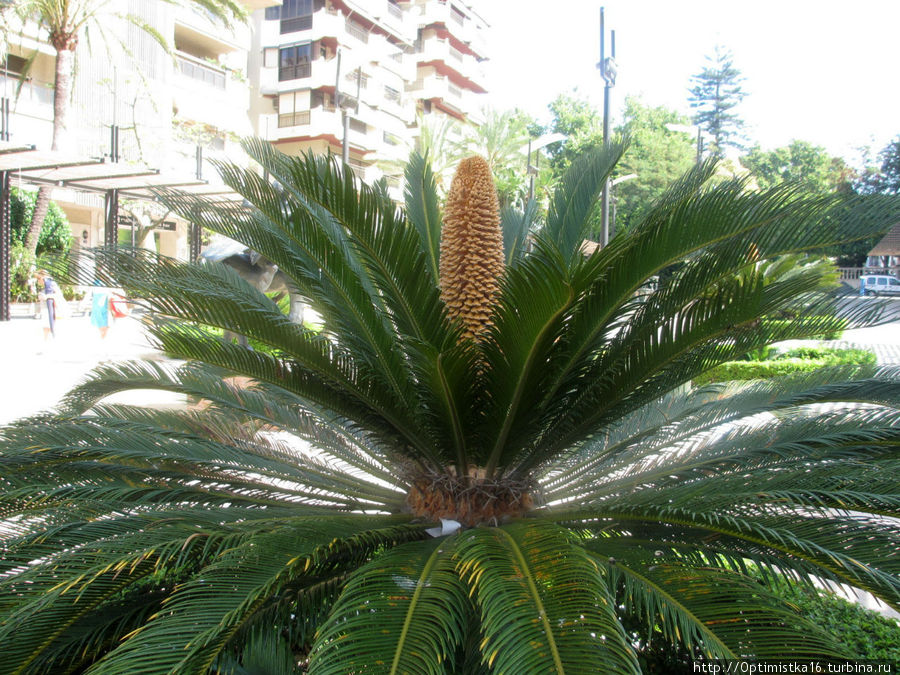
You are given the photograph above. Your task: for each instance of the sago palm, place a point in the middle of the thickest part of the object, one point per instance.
(286, 519)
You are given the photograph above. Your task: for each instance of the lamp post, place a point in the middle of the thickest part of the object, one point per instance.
(690, 129)
(534, 145)
(608, 71)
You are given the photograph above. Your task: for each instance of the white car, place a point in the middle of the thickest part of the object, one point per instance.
(879, 284)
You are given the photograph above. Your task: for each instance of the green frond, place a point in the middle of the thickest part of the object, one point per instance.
(544, 604)
(401, 613)
(719, 613)
(422, 208)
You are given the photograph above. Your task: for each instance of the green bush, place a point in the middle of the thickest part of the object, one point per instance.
(864, 633)
(802, 360)
(56, 235)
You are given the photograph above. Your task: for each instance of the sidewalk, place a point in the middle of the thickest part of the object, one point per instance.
(37, 373)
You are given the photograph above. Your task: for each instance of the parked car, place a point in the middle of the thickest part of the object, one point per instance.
(879, 284)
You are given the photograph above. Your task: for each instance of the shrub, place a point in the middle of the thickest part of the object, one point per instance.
(56, 235)
(864, 633)
(802, 360)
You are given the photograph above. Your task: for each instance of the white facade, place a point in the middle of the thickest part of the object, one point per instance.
(405, 59)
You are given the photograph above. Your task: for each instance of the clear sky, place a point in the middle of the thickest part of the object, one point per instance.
(823, 71)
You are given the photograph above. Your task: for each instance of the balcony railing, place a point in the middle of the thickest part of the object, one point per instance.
(202, 73)
(392, 95)
(455, 53)
(294, 72)
(294, 119)
(296, 23)
(395, 11)
(357, 31)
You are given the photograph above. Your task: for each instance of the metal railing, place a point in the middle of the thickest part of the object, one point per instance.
(295, 119)
(392, 95)
(33, 91)
(394, 10)
(296, 24)
(295, 72)
(357, 31)
(214, 77)
(455, 53)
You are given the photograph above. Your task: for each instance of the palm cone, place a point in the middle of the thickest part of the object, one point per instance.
(471, 247)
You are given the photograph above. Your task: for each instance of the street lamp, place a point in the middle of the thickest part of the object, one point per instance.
(535, 144)
(690, 129)
(608, 71)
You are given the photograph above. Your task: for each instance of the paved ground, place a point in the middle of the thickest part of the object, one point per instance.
(36, 373)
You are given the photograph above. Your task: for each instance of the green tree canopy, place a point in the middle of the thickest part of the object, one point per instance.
(884, 175)
(501, 139)
(55, 235)
(581, 122)
(800, 162)
(656, 155)
(715, 94)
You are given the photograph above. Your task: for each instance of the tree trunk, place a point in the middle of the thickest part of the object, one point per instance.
(62, 92)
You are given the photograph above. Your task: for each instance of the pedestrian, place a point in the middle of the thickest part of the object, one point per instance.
(51, 297)
(100, 301)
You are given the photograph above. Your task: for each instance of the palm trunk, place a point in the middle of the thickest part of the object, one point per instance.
(62, 92)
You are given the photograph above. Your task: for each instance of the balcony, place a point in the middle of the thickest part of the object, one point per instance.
(460, 26)
(206, 93)
(441, 50)
(437, 87)
(199, 28)
(201, 72)
(322, 121)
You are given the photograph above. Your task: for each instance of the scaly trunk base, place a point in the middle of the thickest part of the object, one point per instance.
(470, 501)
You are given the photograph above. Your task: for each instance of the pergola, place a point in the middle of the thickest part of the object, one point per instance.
(26, 165)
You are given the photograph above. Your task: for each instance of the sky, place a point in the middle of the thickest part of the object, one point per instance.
(822, 71)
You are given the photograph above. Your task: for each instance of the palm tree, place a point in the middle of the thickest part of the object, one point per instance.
(289, 520)
(66, 22)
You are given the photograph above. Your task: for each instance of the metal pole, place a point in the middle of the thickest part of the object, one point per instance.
(5, 234)
(699, 144)
(111, 232)
(604, 198)
(345, 146)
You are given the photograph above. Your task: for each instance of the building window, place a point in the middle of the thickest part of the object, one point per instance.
(357, 126)
(294, 62)
(273, 13)
(15, 65)
(296, 15)
(392, 95)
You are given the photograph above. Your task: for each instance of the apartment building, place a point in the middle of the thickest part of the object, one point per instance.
(376, 66)
(289, 75)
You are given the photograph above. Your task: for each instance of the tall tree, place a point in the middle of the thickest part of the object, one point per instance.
(884, 176)
(656, 157)
(580, 122)
(801, 163)
(66, 22)
(501, 139)
(715, 95)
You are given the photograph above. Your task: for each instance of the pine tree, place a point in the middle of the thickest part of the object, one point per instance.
(715, 94)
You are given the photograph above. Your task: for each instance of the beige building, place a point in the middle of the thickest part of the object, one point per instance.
(390, 62)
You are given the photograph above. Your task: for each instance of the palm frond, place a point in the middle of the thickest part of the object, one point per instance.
(535, 619)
